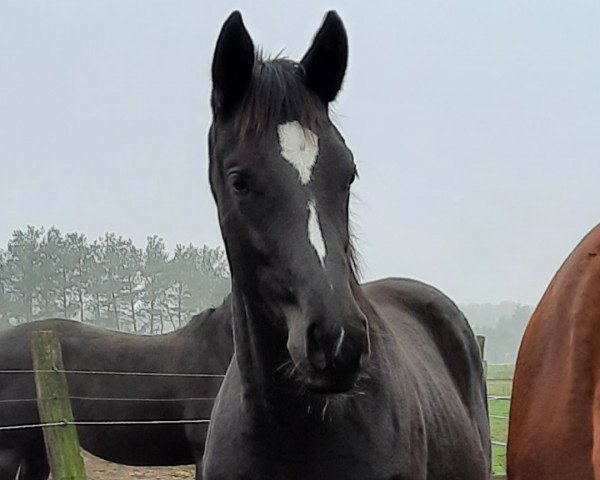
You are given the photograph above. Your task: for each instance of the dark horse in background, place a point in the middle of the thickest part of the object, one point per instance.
(330, 379)
(204, 346)
(554, 428)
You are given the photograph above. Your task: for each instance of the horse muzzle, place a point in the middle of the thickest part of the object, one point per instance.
(334, 354)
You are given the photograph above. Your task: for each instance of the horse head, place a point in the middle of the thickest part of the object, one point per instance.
(280, 173)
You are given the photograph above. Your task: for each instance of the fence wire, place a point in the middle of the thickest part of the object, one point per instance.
(117, 399)
(116, 373)
(110, 399)
(500, 417)
(64, 423)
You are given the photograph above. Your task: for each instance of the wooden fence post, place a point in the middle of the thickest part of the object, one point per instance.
(62, 443)
(481, 343)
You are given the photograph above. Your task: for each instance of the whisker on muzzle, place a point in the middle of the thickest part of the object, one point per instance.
(338, 345)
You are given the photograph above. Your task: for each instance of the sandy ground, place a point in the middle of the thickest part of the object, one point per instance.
(98, 469)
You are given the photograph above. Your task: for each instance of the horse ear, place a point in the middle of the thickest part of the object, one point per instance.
(325, 62)
(232, 65)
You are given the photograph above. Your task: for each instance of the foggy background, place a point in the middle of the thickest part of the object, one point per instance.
(475, 127)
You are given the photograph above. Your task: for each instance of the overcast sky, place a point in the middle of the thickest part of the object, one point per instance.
(475, 126)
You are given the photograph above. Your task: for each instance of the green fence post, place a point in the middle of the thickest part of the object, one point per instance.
(54, 405)
(481, 343)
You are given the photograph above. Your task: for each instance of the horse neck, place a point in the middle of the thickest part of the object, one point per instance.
(214, 322)
(206, 341)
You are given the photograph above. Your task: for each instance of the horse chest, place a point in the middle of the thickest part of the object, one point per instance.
(314, 449)
(249, 464)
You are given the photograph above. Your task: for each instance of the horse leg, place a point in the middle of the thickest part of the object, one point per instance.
(196, 438)
(9, 464)
(199, 475)
(35, 466)
(36, 470)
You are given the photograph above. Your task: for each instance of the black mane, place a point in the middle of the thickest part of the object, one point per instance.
(277, 93)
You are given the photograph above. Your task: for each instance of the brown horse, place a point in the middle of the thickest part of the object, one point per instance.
(554, 430)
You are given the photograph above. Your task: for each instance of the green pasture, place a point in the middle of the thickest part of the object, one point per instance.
(499, 383)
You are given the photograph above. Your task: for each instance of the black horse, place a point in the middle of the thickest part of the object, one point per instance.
(204, 346)
(329, 379)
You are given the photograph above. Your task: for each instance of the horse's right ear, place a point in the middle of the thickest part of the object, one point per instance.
(232, 65)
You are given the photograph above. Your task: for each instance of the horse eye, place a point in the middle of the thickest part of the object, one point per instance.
(238, 182)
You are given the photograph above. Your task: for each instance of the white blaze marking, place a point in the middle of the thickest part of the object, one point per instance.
(315, 236)
(300, 147)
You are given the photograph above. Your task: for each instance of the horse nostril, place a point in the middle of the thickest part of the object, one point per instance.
(314, 352)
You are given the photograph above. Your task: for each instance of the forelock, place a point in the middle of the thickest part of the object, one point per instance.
(277, 94)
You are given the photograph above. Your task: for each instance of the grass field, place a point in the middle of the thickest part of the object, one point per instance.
(504, 370)
(499, 383)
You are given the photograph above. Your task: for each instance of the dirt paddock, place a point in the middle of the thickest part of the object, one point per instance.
(98, 469)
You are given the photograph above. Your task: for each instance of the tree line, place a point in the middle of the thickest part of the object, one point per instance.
(503, 326)
(109, 282)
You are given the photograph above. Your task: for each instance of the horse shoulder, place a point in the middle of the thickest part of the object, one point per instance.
(558, 359)
(444, 324)
(570, 308)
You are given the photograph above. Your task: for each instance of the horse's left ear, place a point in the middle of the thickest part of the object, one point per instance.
(325, 62)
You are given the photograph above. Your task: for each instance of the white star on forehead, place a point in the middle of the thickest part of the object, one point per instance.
(300, 147)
